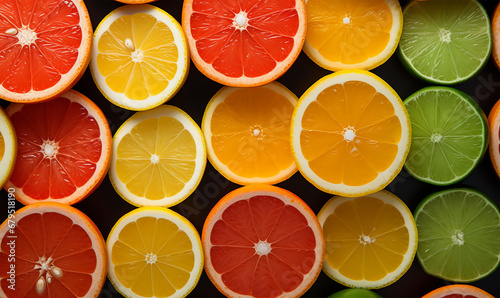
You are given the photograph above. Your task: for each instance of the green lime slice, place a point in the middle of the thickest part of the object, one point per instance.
(449, 135)
(355, 293)
(458, 235)
(443, 41)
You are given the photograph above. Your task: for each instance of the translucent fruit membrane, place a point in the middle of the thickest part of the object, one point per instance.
(49, 236)
(42, 46)
(366, 239)
(364, 34)
(147, 65)
(339, 111)
(237, 144)
(267, 36)
(59, 144)
(259, 240)
(157, 158)
(155, 252)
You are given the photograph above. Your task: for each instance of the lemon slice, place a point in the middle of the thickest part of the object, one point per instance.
(8, 147)
(140, 57)
(154, 252)
(159, 157)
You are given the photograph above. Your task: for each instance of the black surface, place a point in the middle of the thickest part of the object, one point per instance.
(105, 207)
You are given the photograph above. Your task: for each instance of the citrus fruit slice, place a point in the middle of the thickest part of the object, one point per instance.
(371, 241)
(44, 48)
(58, 252)
(355, 293)
(458, 291)
(159, 157)
(135, 1)
(454, 35)
(244, 43)
(248, 133)
(350, 133)
(140, 57)
(154, 252)
(459, 235)
(494, 124)
(262, 241)
(64, 149)
(342, 34)
(8, 147)
(449, 135)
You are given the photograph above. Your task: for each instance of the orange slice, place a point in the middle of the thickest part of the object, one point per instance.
(64, 149)
(44, 48)
(248, 133)
(458, 291)
(244, 43)
(262, 241)
(494, 122)
(350, 133)
(346, 34)
(59, 252)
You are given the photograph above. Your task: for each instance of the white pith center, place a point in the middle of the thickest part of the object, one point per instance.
(49, 149)
(262, 248)
(137, 56)
(363, 239)
(155, 159)
(256, 132)
(47, 271)
(346, 20)
(349, 133)
(444, 35)
(25, 35)
(240, 21)
(436, 137)
(151, 258)
(458, 238)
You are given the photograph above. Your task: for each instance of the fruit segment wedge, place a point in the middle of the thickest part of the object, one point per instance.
(494, 125)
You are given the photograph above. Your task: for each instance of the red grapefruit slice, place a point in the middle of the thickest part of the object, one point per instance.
(244, 43)
(59, 252)
(64, 149)
(262, 241)
(44, 47)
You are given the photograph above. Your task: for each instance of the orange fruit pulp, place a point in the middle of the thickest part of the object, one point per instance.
(244, 43)
(59, 252)
(494, 123)
(44, 47)
(458, 291)
(64, 149)
(262, 241)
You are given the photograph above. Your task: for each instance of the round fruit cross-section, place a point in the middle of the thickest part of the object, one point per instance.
(58, 251)
(494, 123)
(8, 147)
(64, 149)
(458, 291)
(44, 48)
(244, 43)
(262, 241)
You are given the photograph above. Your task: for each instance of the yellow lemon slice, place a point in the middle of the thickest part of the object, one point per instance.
(8, 147)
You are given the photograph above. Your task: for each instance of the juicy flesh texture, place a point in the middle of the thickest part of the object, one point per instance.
(77, 137)
(157, 158)
(253, 51)
(152, 256)
(49, 235)
(346, 32)
(357, 106)
(262, 218)
(149, 64)
(39, 65)
(365, 239)
(251, 132)
(2, 146)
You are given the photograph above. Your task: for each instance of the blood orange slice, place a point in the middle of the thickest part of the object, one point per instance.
(44, 47)
(244, 43)
(64, 149)
(58, 252)
(262, 241)
(494, 123)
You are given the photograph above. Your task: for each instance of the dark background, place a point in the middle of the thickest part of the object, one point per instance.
(105, 207)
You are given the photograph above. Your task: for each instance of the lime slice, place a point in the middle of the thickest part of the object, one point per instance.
(458, 235)
(355, 293)
(443, 41)
(449, 135)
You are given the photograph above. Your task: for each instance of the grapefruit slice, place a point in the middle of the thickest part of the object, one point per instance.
(494, 123)
(59, 252)
(244, 43)
(458, 291)
(8, 147)
(262, 241)
(64, 149)
(44, 48)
